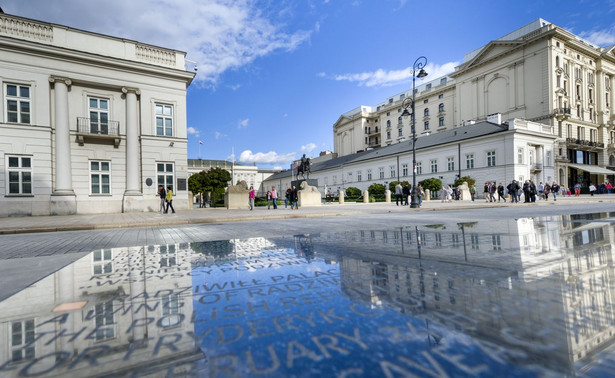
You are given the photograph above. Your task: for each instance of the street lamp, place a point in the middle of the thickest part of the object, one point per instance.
(418, 66)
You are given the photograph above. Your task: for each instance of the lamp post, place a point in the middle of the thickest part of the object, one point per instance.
(419, 63)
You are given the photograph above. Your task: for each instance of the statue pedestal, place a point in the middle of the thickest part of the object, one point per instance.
(237, 196)
(297, 183)
(464, 192)
(309, 195)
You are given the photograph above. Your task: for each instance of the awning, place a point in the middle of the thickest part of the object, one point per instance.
(592, 169)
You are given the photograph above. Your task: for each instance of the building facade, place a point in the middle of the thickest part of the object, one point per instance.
(485, 151)
(540, 72)
(89, 123)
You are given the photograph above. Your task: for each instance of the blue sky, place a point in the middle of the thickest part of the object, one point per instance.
(275, 75)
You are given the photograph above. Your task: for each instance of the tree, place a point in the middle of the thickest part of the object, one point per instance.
(353, 192)
(392, 185)
(214, 181)
(433, 184)
(463, 179)
(196, 184)
(376, 190)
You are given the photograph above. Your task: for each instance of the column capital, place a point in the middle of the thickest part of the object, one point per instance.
(136, 91)
(53, 79)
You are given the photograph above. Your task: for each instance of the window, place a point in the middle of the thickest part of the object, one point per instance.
(100, 177)
(99, 115)
(104, 320)
(441, 121)
(441, 108)
(496, 242)
(491, 159)
(334, 179)
(102, 261)
(520, 154)
(426, 125)
(580, 132)
(400, 132)
(369, 175)
(399, 120)
(164, 120)
(419, 168)
(17, 103)
(428, 86)
(443, 81)
(404, 169)
(548, 158)
(165, 175)
(19, 172)
(425, 101)
(359, 175)
(470, 161)
(168, 255)
(434, 166)
(392, 171)
(451, 163)
(388, 135)
(440, 95)
(22, 340)
(593, 135)
(381, 172)
(388, 123)
(170, 311)
(426, 111)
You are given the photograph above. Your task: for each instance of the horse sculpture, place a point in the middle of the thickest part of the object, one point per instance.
(304, 168)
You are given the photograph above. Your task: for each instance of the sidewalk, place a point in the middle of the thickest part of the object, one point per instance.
(19, 225)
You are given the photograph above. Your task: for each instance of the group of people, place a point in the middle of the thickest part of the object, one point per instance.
(166, 199)
(291, 198)
(528, 189)
(403, 193)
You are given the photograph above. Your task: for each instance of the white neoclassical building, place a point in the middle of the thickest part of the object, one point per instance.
(486, 151)
(89, 123)
(539, 72)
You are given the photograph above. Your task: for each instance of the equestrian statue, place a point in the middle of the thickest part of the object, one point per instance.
(304, 168)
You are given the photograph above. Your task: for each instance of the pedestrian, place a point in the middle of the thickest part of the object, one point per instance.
(399, 190)
(251, 198)
(406, 193)
(492, 189)
(501, 192)
(592, 189)
(609, 187)
(577, 189)
(555, 190)
(268, 200)
(443, 194)
(169, 200)
(472, 191)
(294, 198)
(163, 198)
(287, 198)
(274, 198)
(486, 191)
(546, 190)
(532, 192)
(541, 190)
(420, 194)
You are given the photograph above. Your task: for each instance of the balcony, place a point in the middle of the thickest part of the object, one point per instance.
(562, 113)
(98, 131)
(536, 167)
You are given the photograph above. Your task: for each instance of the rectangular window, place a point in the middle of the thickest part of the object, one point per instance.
(419, 168)
(400, 132)
(470, 161)
(104, 320)
(102, 261)
(441, 121)
(426, 125)
(496, 242)
(475, 242)
(168, 255)
(164, 120)
(369, 175)
(388, 134)
(18, 103)
(393, 171)
(548, 158)
(520, 154)
(170, 311)
(19, 175)
(404, 169)
(491, 159)
(165, 175)
(22, 340)
(100, 177)
(381, 172)
(99, 115)
(359, 176)
(334, 179)
(451, 163)
(434, 166)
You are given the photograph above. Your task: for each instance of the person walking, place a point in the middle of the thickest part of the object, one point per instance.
(541, 189)
(577, 189)
(472, 192)
(486, 191)
(501, 193)
(532, 192)
(406, 193)
(420, 193)
(398, 193)
(274, 198)
(163, 198)
(268, 200)
(492, 189)
(554, 190)
(546, 191)
(169, 200)
(251, 196)
(592, 189)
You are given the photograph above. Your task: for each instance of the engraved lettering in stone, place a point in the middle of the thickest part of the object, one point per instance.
(257, 329)
(295, 350)
(328, 342)
(329, 316)
(229, 333)
(90, 354)
(224, 366)
(273, 357)
(284, 321)
(355, 337)
(169, 344)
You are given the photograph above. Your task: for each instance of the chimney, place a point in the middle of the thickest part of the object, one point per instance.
(495, 118)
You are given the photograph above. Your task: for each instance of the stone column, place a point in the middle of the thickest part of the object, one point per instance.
(63, 171)
(132, 143)
(366, 196)
(341, 197)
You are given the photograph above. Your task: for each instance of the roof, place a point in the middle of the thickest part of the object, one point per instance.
(427, 141)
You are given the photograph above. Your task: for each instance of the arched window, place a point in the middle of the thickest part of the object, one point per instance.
(441, 108)
(388, 123)
(426, 112)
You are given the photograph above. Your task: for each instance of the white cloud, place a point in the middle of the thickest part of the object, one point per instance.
(603, 38)
(219, 135)
(308, 148)
(383, 78)
(270, 157)
(243, 123)
(192, 131)
(219, 35)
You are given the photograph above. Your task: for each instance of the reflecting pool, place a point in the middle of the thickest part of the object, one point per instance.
(518, 297)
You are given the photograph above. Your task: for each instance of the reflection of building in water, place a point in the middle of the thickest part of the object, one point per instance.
(114, 310)
(539, 284)
(221, 251)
